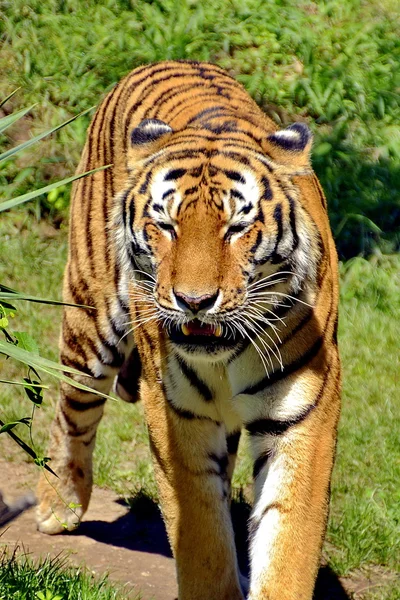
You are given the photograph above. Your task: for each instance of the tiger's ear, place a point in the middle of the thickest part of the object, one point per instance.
(147, 137)
(290, 146)
(149, 131)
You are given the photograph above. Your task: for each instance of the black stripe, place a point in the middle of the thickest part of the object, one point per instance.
(195, 380)
(145, 184)
(232, 442)
(130, 373)
(222, 463)
(260, 462)
(300, 325)
(117, 357)
(267, 192)
(335, 328)
(167, 193)
(275, 257)
(255, 522)
(258, 241)
(292, 219)
(175, 174)
(246, 209)
(191, 190)
(235, 176)
(73, 429)
(219, 111)
(90, 440)
(277, 427)
(87, 199)
(220, 128)
(237, 194)
(186, 414)
(235, 156)
(131, 208)
(157, 454)
(83, 368)
(118, 329)
(183, 413)
(296, 365)
(82, 406)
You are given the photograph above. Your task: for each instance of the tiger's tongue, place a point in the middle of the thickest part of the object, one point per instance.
(198, 328)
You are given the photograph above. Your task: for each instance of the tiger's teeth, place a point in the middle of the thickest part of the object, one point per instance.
(218, 331)
(185, 329)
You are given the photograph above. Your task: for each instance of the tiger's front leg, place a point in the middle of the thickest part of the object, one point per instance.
(191, 458)
(63, 499)
(292, 470)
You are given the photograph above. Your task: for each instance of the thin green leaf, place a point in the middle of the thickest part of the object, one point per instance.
(18, 296)
(27, 449)
(366, 221)
(7, 121)
(30, 195)
(5, 288)
(23, 384)
(6, 308)
(26, 342)
(5, 155)
(8, 426)
(7, 98)
(47, 366)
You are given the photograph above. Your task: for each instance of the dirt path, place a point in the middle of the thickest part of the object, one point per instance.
(134, 549)
(109, 540)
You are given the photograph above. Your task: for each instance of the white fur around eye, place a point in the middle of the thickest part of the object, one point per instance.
(157, 189)
(249, 189)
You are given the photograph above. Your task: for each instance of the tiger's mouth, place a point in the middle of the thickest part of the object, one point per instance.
(198, 333)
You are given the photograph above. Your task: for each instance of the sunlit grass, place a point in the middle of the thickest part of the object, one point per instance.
(51, 579)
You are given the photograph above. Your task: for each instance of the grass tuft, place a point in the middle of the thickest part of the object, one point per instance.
(50, 579)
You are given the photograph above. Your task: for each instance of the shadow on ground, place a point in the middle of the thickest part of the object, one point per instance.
(142, 529)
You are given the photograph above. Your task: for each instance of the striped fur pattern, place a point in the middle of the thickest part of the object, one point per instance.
(206, 254)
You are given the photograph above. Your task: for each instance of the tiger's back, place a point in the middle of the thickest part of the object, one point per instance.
(206, 252)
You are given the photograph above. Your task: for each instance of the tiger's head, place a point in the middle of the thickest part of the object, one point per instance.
(216, 233)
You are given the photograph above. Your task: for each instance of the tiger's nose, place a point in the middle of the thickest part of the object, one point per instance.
(195, 303)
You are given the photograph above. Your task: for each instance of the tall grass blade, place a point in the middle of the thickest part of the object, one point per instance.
(7, 98)
(5, 155)
(7, 121)
(47, 366)
(30, 195)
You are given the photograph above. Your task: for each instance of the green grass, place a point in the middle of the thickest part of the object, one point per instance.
(51, 579)
(364, 526)
(365, 520)
(334, 64)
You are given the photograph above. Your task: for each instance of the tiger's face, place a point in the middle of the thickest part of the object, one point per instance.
(217, 239)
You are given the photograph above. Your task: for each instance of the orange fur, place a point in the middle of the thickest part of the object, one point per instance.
(206, 253)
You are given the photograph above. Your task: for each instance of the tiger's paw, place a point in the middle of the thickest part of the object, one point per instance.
(57, 520)
(55, 512)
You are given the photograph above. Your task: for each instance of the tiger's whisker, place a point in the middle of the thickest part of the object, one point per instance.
(269, 276)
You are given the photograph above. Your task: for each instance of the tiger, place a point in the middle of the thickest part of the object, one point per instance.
(205, 254)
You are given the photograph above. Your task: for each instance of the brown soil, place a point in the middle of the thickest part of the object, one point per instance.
(109, 540)
(131, 545)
